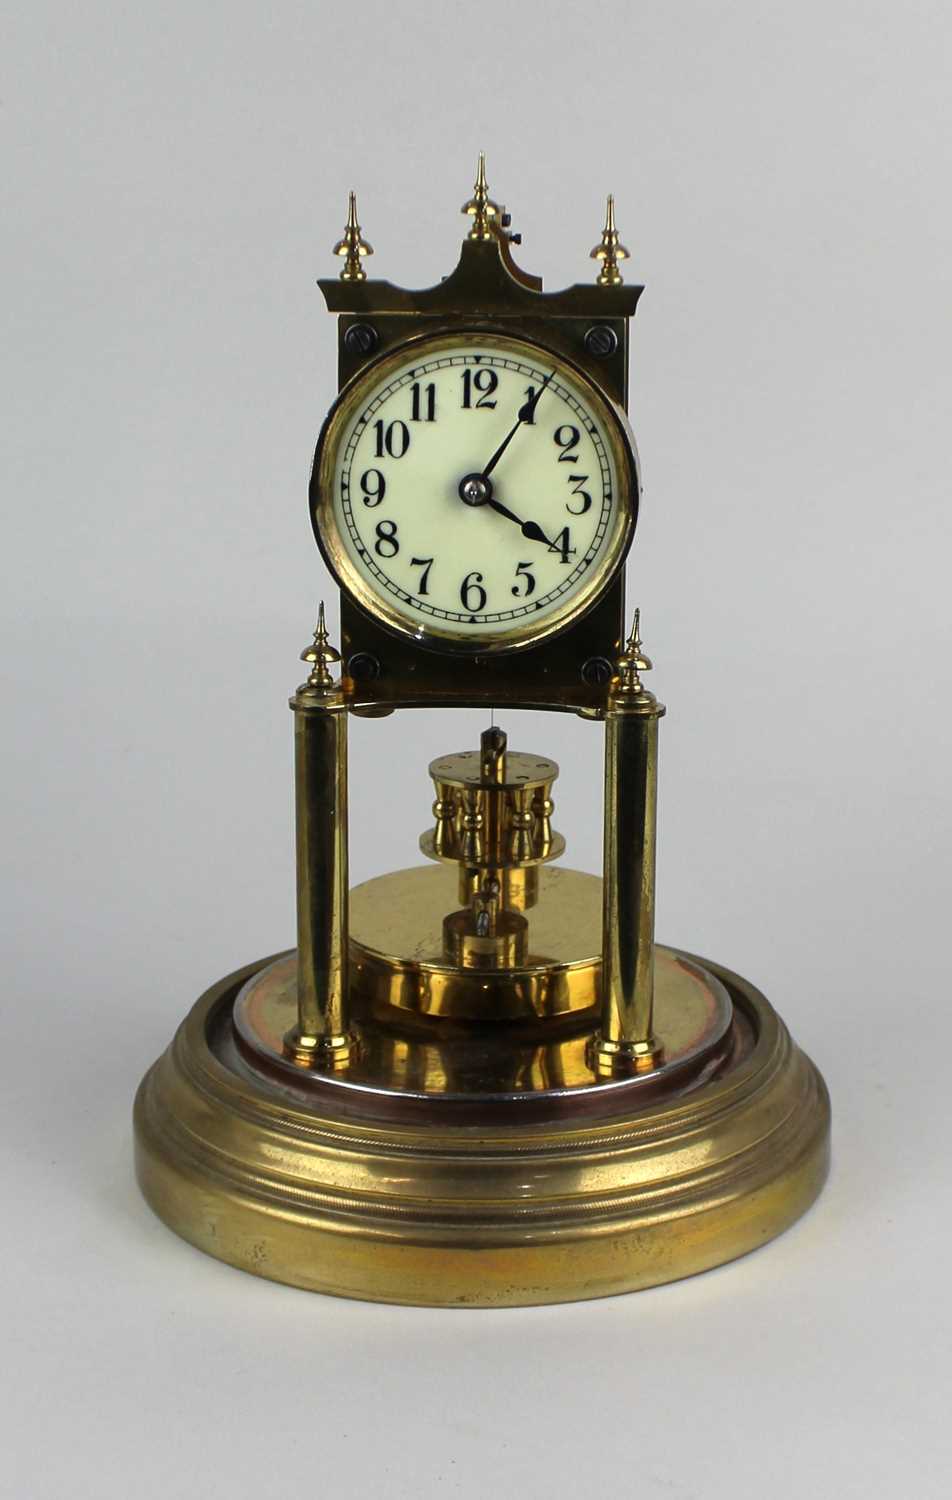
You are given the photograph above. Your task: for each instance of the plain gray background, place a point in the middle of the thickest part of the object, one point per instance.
(173, 179)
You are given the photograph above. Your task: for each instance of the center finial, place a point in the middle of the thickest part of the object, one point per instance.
(480, 207)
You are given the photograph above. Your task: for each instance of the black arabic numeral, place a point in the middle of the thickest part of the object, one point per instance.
(472, 594)
(563, 545)
(426, 564)
(386, 544)
(392, 440)
(576, 481)
(523, 575)
(530, 406)
(422, 402)
(484, 383)
(566, 437)
(374, 487)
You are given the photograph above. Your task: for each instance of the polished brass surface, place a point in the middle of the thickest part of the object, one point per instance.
(321, 1035)
(610, 250)
(493, 814)
(353, 247)
(478, 1064)
(401, 976)
(627, 1039)
(312, 1185)
(495, 817)
(485, 936)
(398, 956)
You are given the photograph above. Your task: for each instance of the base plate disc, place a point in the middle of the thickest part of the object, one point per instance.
(444, 1212)
(471, 1066)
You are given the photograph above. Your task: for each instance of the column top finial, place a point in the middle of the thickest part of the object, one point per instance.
(322, 655)
(353, 247)
(609, 249)
(627, 687)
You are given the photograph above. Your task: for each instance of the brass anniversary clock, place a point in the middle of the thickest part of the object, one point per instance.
(479, 1081)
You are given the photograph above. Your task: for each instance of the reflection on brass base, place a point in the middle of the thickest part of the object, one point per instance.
(390, 1195)
(432, 1030)
(610, 1059)
(326, 1052)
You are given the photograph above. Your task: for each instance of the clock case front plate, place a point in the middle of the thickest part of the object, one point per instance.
(488, 294)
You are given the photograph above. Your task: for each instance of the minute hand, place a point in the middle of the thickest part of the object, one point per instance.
(526, 411)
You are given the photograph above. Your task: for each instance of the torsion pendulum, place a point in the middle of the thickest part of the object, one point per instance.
(480, 1081)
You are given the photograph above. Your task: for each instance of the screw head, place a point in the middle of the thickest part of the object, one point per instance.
(363, 667)
(601, 341)
(361, 338)
(597, 671)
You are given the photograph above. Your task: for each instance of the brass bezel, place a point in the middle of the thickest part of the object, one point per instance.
(617, 434)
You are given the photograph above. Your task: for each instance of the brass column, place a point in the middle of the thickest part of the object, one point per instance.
(322, 1038)
(626, 1043)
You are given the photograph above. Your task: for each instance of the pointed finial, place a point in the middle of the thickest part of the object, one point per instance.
(480, 207)
(633, 661)
(353, 246)
(321, 654)
(610, 250)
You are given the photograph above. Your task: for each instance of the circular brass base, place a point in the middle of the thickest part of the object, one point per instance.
(324, 1186)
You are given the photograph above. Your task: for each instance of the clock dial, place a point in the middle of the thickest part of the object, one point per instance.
(474, 490)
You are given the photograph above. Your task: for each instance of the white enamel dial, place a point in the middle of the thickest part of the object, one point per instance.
(475, 490)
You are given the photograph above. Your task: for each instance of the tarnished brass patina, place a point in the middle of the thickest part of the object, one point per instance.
(480, 1082)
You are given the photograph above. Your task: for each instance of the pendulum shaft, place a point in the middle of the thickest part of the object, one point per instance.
(626, 1041)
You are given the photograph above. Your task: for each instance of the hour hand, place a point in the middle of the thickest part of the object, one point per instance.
(534, 533)
(476, 489)
(504, 510)
(529, 529)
